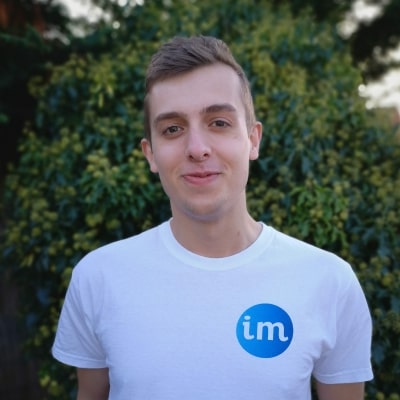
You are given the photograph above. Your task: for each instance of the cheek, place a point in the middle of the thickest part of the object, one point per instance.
(161, 159)
(163, 163)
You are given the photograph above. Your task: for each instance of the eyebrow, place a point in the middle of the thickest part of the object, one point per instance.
(167, 115)
(214, 108)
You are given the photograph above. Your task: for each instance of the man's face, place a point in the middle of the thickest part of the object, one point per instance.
(201, 146)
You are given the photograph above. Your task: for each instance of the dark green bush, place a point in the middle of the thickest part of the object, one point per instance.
(329, 172)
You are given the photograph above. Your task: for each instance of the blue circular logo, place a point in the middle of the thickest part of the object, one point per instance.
(264, 330)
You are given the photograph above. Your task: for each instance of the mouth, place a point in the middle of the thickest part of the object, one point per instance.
(201, 178)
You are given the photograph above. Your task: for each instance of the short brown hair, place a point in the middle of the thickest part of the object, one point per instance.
(183, 54)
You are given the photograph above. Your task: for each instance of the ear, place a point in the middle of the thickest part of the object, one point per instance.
(255, 140)
(148, 153)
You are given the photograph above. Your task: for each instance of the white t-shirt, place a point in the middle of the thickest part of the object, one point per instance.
(170, 324)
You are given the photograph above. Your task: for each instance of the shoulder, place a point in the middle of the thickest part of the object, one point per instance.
(119, 254)
(310, 259)
(144, 238)
(302, 249)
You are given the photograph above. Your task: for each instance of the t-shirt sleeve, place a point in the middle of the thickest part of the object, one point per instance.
(349, 360)
(76, 342)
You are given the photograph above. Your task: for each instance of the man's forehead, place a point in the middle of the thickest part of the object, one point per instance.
(223, 72)
(211, 109)
(210, 89)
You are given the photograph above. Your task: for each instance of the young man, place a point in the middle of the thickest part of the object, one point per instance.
(211, 304)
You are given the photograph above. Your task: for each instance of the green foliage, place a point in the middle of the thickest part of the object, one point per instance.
(29, 39)
(328, 173)
(21, 58)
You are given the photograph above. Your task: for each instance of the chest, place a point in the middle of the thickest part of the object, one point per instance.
(175, 331)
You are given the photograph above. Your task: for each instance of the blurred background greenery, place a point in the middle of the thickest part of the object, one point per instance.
(73, 178)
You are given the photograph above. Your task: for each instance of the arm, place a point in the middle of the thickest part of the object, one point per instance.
(93, 384)
(340, 391)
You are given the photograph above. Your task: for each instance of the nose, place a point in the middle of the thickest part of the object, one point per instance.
(197, 145)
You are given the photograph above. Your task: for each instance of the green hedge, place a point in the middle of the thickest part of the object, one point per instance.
(329, 171)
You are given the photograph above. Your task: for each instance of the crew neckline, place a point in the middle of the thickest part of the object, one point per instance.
(215, 263)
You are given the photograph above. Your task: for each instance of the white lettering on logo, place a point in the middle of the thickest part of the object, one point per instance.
(246, 330)
(267, 326)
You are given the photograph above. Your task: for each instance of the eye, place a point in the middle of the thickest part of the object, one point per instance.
(171, 130)
(220, 123)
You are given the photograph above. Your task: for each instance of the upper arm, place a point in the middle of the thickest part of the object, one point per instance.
(340, 391)
(93, 384)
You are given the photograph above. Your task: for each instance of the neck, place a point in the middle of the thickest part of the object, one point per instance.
(215, 238)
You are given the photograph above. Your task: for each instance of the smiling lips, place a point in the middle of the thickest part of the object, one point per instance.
(200, 178)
